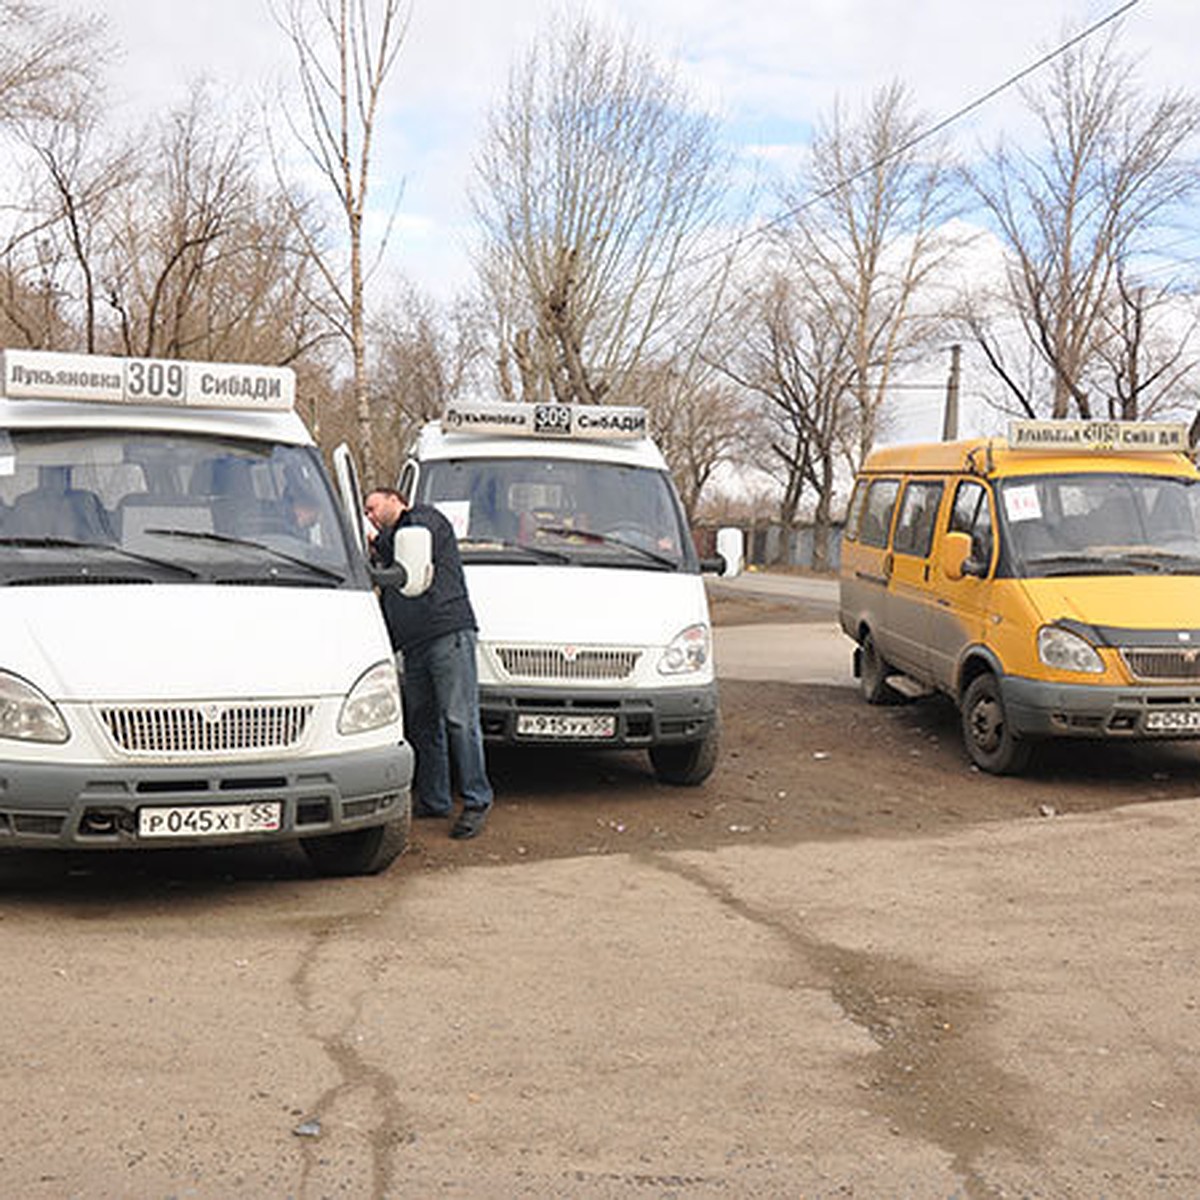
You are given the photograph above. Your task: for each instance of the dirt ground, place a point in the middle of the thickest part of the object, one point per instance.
(799, 763)
(894, 976)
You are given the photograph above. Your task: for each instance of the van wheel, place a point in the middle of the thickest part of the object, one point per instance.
(686, 764)
(361, 852)
(989, 738)
(873, 671)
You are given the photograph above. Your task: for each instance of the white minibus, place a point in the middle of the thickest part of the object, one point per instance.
(593, 616)
(192, 653)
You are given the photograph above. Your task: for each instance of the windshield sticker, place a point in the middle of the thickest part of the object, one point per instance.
(1021, 503)
(458, 513)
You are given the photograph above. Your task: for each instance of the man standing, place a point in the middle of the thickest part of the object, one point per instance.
(436, 632)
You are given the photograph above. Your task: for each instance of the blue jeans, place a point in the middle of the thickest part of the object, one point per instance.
(441, 704)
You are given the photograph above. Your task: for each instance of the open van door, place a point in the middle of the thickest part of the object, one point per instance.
(410, 477)
(346, 474)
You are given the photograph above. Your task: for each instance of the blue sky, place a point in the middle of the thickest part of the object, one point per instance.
(765, 67)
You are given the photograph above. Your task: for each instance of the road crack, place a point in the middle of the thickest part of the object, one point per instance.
(389, 1126)
(931, 1076)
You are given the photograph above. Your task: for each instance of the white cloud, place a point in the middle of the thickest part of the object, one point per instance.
(769, 69)
(162, 47)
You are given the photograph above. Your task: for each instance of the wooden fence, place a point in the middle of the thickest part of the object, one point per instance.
(773, 545)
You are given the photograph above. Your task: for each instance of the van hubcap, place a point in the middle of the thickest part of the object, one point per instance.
(987, 724)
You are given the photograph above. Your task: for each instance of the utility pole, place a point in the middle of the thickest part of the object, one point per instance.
(950, 416)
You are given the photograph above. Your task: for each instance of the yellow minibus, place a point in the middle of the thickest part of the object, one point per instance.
(1048, 582)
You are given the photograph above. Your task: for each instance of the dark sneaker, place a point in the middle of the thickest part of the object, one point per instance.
(470, 823)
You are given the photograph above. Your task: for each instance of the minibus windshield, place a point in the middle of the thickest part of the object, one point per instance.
(94, 506)
(1094, 523)
(566, 511)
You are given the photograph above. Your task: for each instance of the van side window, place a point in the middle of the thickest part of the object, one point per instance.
(918, 511)
(854, 510)
(877, 514)
(972, 514)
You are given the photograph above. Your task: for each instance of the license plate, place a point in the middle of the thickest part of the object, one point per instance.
(1173, 719)
(559, 725)
(209, 820)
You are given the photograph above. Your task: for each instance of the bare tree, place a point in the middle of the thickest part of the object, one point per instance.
(344, 57)
(167, 244)
(198, 262)
(80, 178)
(49, 91)
(164, 248)
(698, 423)
(597, 183)
(868, 234)
(1076, 211)
(1020, 379)
(46, 60)
(423, 356)
(794, 357)
(1149, 350)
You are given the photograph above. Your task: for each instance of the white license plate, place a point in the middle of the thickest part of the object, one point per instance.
(1170, 719)
(559, 725)
(209, 820)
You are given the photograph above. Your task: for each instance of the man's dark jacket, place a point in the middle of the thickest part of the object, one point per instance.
(445, 607)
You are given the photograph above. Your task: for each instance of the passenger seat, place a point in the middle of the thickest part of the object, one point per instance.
(73, 514)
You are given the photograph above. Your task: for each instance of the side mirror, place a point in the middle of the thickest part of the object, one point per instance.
(730, 552)
(395, 576)
(413, 549)
(956, 557)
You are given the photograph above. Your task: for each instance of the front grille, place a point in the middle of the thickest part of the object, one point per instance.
(205, 729)
(558, 662)
(1162, 662)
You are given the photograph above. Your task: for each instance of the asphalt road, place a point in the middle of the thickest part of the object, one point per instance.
(813, 650)
(1007, 1009)
(819, 589)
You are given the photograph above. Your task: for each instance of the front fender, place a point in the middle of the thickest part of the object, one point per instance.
(973, 661)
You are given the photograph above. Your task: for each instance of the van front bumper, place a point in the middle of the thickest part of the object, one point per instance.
(1034, 708)
(68, 806)
(637, 718)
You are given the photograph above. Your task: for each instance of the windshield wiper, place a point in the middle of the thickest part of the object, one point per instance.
(110, 547)
(200, 535)
(1169, 561)
(1088, 564)
(608, 539)
(502, 545)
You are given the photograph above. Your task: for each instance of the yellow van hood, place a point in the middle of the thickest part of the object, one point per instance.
(1120, 601)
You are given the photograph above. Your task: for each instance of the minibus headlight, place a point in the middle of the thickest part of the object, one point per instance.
(688, 652)
(26, 714)
(1066, 651)
(374, 701)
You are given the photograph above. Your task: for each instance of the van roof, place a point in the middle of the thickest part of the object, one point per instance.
(283, 427)
(45, 389)
(993, 456)
(435, 442)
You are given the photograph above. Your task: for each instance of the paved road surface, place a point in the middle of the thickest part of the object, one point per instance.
(795, 587)
(1005, 1010)
(796, 652)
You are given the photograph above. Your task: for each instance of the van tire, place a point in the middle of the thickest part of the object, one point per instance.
(990, 741)
(873, 670)
(359, 852)
(686, 764)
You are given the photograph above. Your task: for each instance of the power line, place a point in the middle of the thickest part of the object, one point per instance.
(918, 138)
